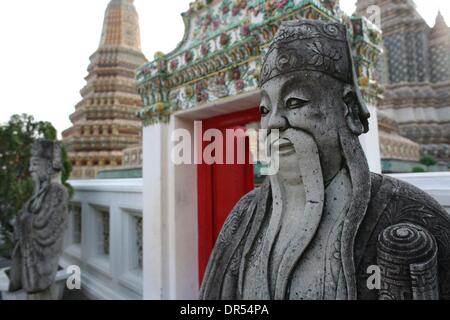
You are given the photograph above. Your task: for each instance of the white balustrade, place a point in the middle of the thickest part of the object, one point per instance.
(104, 237)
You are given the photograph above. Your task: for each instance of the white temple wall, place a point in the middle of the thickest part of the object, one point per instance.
(370, 142)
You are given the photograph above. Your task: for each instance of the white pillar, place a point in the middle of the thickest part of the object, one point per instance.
(154, 208)
(170, 217)
(183, 222)
(371, 142)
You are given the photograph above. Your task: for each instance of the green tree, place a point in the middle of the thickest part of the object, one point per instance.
(16, 186)
(428, 161)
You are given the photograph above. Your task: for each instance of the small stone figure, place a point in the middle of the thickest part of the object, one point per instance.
(314, 229)
(40, 225)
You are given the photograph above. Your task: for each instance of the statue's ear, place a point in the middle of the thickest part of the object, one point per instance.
(356, 121)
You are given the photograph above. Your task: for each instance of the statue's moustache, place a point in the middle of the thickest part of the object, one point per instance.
(305, 147)
(308, 157)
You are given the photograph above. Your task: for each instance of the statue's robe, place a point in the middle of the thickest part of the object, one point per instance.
(39, 232)
(391, 202)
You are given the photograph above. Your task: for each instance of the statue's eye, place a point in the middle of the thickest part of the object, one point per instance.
(264, 111)
(294, 103)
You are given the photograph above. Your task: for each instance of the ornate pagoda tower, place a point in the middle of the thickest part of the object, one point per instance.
(105, 120)
(415, 72)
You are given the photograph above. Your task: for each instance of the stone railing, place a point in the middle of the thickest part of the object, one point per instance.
(104, 237)
(437, 184)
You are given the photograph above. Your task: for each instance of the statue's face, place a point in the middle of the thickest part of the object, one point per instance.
(39, 168)
(310, 103)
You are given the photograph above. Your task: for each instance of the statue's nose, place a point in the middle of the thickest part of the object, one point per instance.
(278, 121)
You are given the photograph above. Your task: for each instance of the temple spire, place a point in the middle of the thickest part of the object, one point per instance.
(440, 27)
(440, 21)
(121, 25)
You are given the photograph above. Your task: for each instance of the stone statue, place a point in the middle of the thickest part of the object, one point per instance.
(40, 225)
(315, 229)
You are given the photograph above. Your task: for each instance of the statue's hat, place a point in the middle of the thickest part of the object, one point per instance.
(50, 150)
(313, 45)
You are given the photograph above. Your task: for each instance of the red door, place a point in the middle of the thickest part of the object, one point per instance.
(220, 186)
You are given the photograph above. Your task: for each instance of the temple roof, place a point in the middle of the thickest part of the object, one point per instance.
(121, 25)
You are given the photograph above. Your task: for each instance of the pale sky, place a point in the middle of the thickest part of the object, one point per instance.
(46, 46)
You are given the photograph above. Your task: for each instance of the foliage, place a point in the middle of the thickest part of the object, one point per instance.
(16, 139)
(428, 161)
(418, 169)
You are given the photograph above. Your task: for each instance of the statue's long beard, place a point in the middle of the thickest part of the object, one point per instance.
(312, 177)
(40, 188)
(311, 173)
(36, 183)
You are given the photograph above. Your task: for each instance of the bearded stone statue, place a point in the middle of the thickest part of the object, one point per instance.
(40, 225)
(314, 229)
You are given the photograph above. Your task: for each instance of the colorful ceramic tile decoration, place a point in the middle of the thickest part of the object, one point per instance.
(221, 52)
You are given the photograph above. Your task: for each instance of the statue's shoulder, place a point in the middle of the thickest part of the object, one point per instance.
(241, 207)
(245, 201)
(402, 192)
(58, 187)
(396, 202)
(58, 194)
(238, 216)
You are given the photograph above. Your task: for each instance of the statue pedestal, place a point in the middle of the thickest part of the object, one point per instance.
(55, 292)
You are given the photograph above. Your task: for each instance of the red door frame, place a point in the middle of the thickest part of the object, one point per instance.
(205, 184)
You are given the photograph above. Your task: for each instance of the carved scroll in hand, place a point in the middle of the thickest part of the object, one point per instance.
(407, 257)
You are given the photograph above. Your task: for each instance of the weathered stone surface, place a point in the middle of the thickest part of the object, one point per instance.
(41, 223)
(312, 230)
